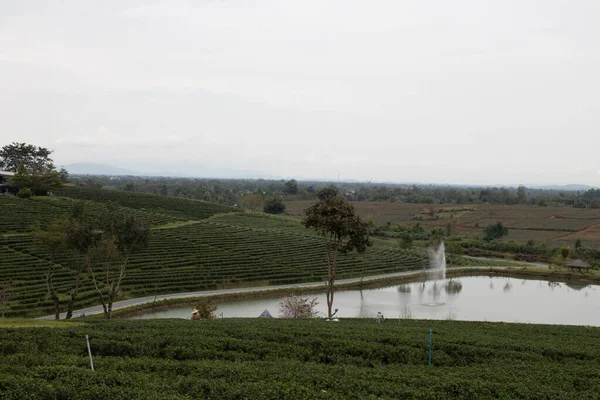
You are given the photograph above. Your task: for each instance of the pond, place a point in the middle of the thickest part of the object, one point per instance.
(468, 298)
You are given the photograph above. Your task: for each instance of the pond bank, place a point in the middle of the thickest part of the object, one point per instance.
(514, 272)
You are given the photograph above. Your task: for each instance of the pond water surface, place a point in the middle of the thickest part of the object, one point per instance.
(468, 298)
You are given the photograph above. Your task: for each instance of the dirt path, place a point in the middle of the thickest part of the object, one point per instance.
(574, 234)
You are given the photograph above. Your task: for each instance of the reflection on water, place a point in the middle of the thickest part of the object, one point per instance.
(471, 298)
(453, 286)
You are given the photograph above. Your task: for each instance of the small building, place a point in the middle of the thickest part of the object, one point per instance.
(579, 265)
(4, 177)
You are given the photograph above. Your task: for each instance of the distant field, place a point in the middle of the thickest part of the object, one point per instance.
(251, 358)
(555, 226)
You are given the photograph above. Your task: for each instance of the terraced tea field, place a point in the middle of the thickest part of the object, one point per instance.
(299, 359)
(223, 250)
(173, 207)
(555, 226)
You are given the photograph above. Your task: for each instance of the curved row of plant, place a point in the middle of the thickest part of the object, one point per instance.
(299, 359)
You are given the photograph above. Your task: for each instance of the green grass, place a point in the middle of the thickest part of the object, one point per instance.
(300, 359)
(6, 323)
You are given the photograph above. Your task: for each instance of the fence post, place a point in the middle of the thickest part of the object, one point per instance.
(87, 338)
(430, 345)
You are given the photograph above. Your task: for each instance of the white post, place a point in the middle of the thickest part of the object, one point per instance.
(87, 338)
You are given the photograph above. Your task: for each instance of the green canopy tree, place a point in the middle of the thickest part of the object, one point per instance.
(72, 239)
(122, 236)
(33, 168)
(335, 219)
(274, 206)
(290, 187)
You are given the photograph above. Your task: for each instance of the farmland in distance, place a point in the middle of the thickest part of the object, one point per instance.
(555, 226)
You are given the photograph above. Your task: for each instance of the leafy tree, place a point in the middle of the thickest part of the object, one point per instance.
(33, 168)
(522, 194)
(274, 206)
(327, 192)
(565, 252)
(123, 235)
(54, 241)
(73, 239)
(495, 231)
(335, 219)
(578, 244)
(290, 187)
(406, 241)
(296, 306)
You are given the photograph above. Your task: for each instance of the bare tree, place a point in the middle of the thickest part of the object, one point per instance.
(5, 295)
(296, 306)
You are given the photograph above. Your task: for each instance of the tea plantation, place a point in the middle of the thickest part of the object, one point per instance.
(194, 246)
(299, 359)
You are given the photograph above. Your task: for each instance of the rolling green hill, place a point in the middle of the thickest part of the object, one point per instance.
(224, 249)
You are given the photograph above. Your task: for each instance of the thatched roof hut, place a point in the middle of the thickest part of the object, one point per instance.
(578, 265)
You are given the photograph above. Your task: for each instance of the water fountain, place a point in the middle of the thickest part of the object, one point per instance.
(437, 263)
(437, 272)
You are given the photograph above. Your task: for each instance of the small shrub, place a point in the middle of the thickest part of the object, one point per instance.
(205, 310)
(24, 193)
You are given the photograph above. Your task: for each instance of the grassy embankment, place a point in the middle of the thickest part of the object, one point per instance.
(300, 359)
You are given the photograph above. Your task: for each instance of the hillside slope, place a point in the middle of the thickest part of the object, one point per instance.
(223, 250)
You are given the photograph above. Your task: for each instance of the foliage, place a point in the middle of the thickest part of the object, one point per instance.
(24, 193)
(495, 231)
(274, 206)
(291, 187)
(299, 359)
(326, 192)
(343, 230)
(122, 236)
(296, 306)
(252, 202)
(206, 309)
(33, 168)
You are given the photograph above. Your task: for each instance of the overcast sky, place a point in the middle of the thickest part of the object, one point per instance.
(465, 92)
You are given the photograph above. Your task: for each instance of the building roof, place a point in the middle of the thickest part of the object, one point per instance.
(578, 264)
(265, 314)
(6, 173)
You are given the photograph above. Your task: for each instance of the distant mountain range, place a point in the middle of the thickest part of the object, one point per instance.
(99, 169)
(568, 188)
(225, 173)
(194, 171)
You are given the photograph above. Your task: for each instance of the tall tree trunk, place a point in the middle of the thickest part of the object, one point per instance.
(73, 297)
(56, 307)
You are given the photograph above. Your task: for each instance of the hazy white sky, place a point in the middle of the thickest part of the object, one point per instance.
(459, 91)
